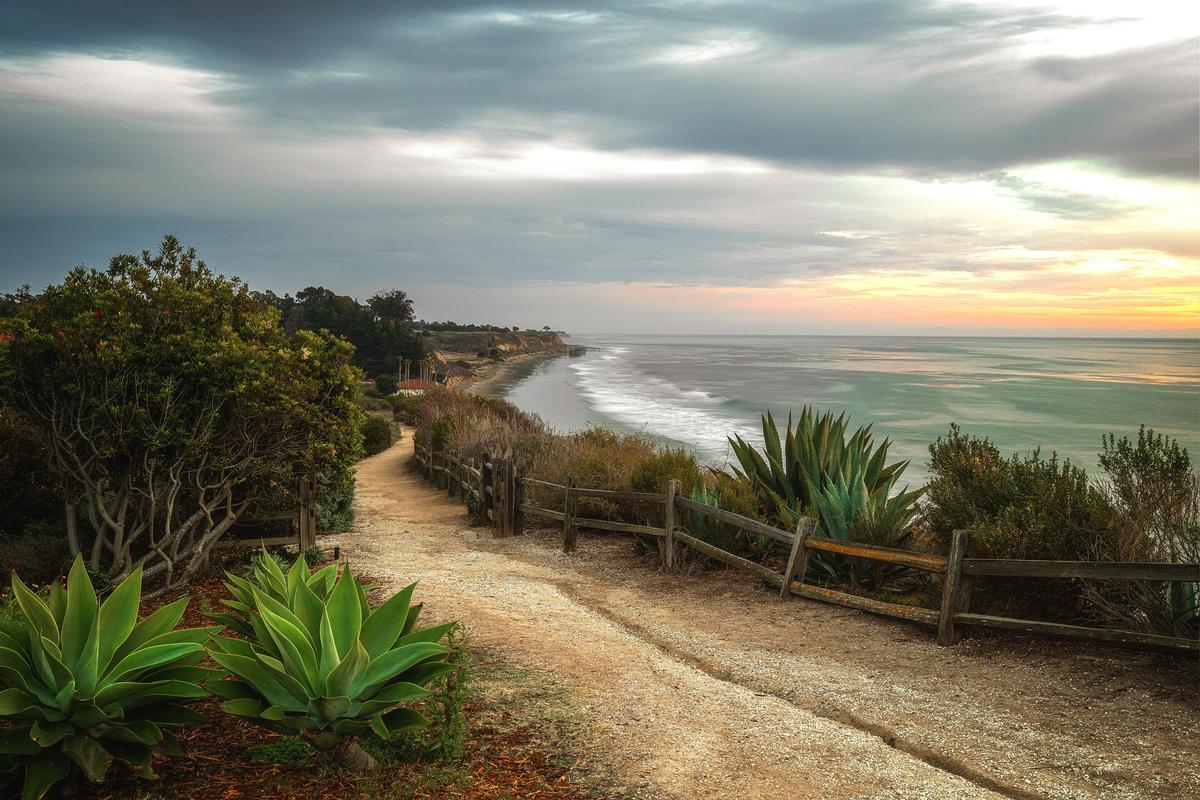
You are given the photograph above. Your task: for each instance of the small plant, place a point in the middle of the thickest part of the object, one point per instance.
(320, 663)
(443, 740)
(314, 555)
(377, 435)
(88, 684)
(258, 560)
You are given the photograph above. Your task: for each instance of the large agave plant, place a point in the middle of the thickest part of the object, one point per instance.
(88, 684)
(326, 667)
(791, 468)
(816, 470)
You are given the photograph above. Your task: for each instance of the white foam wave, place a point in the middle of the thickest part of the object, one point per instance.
(615, 387)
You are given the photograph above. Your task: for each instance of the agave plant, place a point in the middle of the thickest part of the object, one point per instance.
(88, 684)
(816, 470)
(326, 666)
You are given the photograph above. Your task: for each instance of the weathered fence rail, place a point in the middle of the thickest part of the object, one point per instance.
(303, 519)
(501, 499)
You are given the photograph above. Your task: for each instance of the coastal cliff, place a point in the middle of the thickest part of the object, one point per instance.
(462, 355)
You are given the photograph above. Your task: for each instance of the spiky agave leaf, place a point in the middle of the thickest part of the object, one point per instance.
(84, 683)
(323, 664)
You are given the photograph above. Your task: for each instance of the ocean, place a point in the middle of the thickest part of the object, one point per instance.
(1061, 395)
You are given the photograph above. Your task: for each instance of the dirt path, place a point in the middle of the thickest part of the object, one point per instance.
(706, 687)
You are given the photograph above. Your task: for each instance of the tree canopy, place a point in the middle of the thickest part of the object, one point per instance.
(379, 329)
(173, 400)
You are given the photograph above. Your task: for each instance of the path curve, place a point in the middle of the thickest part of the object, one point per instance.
(707, 687)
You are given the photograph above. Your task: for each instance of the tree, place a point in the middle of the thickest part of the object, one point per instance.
(173, 400)
(392, 307)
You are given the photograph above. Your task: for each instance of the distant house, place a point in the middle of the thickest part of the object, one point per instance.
(412, 388)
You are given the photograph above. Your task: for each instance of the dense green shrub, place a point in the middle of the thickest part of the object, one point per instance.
(1157, 499)
(652, 474)
(40, 554)
(377, 435)
(406, 408)
(31, 490)
(386, 384)
(87, 684)
(1025, 506)
(335, 500)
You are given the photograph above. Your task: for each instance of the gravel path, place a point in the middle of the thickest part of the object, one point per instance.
(707, 687)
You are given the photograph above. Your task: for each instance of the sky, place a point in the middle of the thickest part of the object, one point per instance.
(849, 166)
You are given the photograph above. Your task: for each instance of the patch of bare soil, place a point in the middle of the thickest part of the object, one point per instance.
(708, 687)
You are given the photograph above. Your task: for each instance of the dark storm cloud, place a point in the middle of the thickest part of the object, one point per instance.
(837, 85)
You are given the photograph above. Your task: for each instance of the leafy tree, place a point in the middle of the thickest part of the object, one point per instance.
(173, 401)
(392, 307)
(380, 337)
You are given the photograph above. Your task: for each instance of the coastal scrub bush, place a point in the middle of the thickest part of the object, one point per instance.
(377, 435)
(320, 663)
(335, 499)
(599, 458)
(386, 384)
(1024, 506)
(1156, 495)
(32, 493)
(472, 426)
(87, 684)
(669, 463)
(173, 401)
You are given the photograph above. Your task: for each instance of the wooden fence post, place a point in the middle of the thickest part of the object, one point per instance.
(673, 489)
(797, 563)
(502, 518)
(485, 483)
(510, 497)
(307, 516)
(518, 501)
(568, 512)
(956, 592)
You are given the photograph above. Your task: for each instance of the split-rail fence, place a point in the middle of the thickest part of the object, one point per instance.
(498, 494)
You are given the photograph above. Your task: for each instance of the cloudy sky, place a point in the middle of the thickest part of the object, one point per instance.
(842, 166)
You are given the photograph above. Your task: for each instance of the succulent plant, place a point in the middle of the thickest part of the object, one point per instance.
(325, 665)
(87, 683)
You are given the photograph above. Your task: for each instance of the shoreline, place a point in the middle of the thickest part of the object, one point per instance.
(493, 380)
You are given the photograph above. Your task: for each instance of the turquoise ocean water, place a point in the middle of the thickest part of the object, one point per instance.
(1058, 394)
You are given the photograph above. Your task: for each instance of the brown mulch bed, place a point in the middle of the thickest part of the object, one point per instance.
(225, 758)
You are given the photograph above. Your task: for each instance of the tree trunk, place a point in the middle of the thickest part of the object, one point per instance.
(351, 756)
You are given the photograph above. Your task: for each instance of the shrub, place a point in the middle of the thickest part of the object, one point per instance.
(88, 684)
(335, 500)
(386, 384)
(32, 491)
(405, 407)
(1019, 507)
(40, 554)
(652, 474)
(174, 387)
(1026, 507)
(320, 663)
(599, 458)
(1157, 500)
(377, 435)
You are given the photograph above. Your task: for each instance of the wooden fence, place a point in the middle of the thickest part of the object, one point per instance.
(501, 500)
(303, 518)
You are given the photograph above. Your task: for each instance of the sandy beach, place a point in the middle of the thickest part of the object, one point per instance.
(495, 379)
